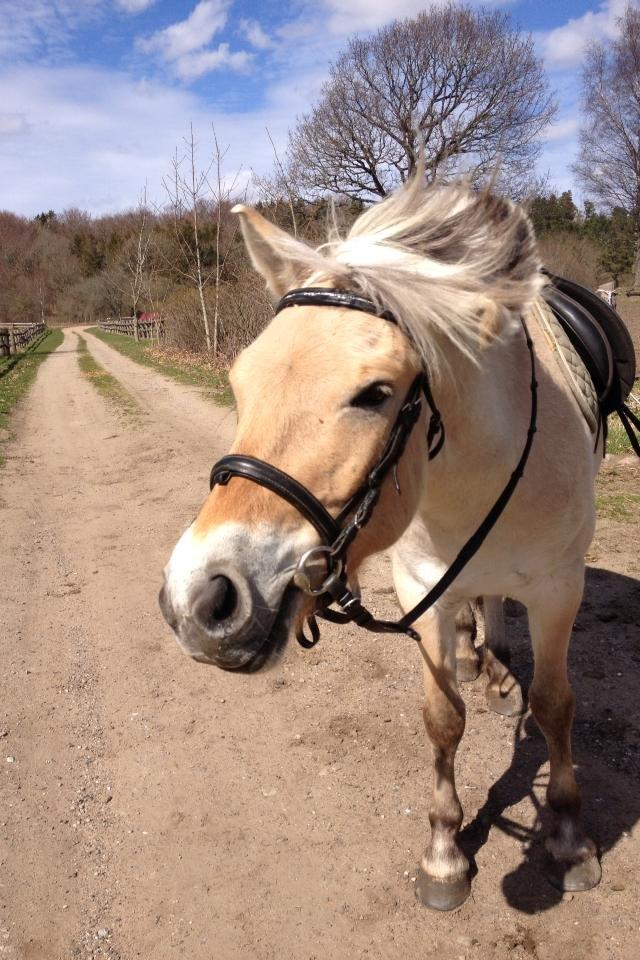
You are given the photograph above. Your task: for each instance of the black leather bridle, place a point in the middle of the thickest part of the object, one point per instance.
(338, 533)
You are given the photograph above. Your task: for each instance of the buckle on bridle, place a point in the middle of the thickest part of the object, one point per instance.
(307, 579)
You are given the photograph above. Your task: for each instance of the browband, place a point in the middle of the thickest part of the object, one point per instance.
(325, 297)
(338, 534)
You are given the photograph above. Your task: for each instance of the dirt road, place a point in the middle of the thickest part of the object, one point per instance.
(155, 808)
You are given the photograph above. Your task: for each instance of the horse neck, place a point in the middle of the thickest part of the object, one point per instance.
(485, 408)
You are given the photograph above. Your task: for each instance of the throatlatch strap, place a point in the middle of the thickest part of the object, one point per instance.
(469, 549)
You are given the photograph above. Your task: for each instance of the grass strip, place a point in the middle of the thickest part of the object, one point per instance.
(18, 372)
(106, 385)
(617, 440)
(618, 506)
(215, 383)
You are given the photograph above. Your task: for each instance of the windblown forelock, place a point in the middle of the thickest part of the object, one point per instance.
(433, 255)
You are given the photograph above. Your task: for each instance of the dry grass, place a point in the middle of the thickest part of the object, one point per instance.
(629, 310)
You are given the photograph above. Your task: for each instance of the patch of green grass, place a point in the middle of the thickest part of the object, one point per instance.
(618, 506)
(18, 372)
(106, 385)
(617, 439)
(214, 383)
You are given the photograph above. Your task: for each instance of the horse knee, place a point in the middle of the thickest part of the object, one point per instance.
(444, 721)
(553, 709)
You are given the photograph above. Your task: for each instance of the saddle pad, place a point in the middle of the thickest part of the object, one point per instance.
(568, 359)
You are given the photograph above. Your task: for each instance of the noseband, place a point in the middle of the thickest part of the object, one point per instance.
(338, 533)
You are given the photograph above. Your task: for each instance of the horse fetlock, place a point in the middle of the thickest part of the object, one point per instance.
(504, 696)
(468, 662)
(572, 861)
(568, 843)
(467, 666)
(503, 692)
(443, 859)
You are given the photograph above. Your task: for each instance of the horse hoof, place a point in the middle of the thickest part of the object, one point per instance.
(507, 701)
(467, 669)
(573, 877)
(442, 894)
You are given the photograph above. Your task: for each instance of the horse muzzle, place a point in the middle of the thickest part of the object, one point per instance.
(225, 622)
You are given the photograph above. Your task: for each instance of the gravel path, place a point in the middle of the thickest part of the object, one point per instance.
(154, 808)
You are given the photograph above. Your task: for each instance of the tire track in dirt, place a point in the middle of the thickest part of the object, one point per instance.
(158, 809)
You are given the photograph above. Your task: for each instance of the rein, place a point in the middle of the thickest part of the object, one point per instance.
(338, 533)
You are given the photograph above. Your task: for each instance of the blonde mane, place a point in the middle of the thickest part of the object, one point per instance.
(442, 258)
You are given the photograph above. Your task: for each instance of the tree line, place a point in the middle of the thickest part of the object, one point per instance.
(459, 87)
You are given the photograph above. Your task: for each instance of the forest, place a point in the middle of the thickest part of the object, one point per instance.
(460, 91)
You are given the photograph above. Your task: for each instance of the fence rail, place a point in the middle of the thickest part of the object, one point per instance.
(147, 329)
(17, 336)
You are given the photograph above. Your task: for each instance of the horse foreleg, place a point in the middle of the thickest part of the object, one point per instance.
(573, 863)
(503, 692)
(467, 657)
(443, 880)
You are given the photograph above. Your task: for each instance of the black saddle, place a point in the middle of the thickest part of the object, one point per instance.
(602, 342)
(600, 338)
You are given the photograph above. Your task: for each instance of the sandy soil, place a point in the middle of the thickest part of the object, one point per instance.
(155, 808)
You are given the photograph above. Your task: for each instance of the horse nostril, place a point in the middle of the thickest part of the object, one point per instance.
(217, 602)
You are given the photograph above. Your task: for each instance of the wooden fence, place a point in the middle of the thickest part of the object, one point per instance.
(16, 336)
(147, 329)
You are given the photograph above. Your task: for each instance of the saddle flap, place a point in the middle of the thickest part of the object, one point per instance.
(599, 335)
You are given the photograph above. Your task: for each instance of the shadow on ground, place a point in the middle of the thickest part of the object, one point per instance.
(604, 668)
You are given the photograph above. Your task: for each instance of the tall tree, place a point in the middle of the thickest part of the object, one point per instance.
(461, 84)
(608, 167)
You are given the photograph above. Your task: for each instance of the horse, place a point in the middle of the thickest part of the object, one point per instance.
(424, 312)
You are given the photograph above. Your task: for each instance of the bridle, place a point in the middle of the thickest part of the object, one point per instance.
(338, 533)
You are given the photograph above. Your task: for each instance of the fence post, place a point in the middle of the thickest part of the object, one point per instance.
(12, 339)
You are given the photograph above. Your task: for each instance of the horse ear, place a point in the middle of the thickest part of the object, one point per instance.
(277, 256)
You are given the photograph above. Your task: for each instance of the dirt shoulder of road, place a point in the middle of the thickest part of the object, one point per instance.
(155, 808)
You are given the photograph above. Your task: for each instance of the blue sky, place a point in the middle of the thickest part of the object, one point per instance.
(95, 94)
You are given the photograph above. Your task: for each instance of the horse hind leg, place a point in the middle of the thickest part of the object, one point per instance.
(467, 657)
(573, 862)
(503, 692)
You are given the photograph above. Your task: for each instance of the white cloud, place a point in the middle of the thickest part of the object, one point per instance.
(91, 138)
(562, 129)
(254, 33)
(12, 124)
(41, 27)
(194, 65)
(564, 46)
(204, 21)
(184, 44)
(347, 16)
(135, 6)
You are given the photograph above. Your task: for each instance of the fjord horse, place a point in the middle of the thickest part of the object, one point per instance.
(318, 394)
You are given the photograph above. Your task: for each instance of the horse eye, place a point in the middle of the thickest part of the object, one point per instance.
(372, 396)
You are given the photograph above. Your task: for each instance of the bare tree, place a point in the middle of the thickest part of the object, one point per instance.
(458, 83)
(136, 257)
(187, 192)
(221, 192)
(608, 167)
(128, 274)
(196, 195)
